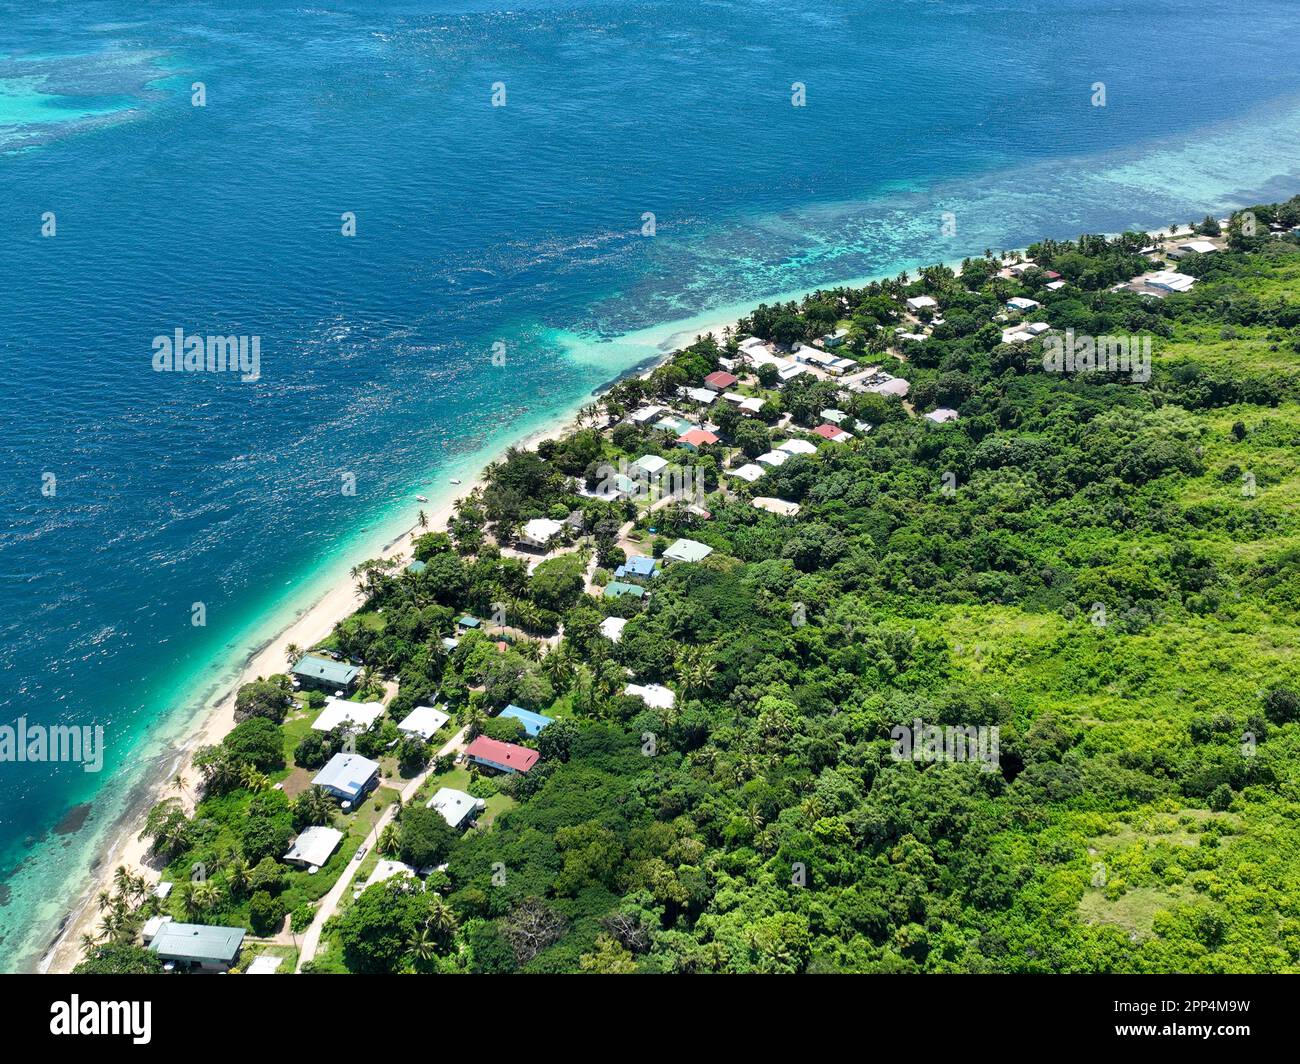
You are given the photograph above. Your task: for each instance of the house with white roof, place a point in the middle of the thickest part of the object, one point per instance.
(612, 628)
(652, 694)
(942, 415)
(355, 716)
(921, 303)
(539, 532)
(313, 847)
(797, 447)
(1021, 303)
(775, 459)
(387, 870)
(1167, 280)
(780, 507)
(423, 721)
(1199, 247)
(646, 414)
(456, 807)
(749, 472)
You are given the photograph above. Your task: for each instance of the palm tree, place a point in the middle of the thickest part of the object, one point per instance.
(292, 653)
(251, 779)
(694, 669)
(422, 519)
(317, 806)
(238, 874)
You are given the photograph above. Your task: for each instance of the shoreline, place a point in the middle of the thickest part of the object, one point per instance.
(310, 625)
(315, 621)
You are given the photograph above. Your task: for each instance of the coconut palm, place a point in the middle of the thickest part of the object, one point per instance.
(292, 653)
(694, 669)
(251, 779)
(422, 519)
(238, 874)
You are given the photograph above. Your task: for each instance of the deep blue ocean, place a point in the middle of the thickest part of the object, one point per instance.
(475, 225)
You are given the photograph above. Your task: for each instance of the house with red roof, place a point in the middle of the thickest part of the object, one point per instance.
(504, 757)
(720, 380)
(696, 438)
(833, 433)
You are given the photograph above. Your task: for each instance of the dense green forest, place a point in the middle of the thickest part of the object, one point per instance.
(1106, 570)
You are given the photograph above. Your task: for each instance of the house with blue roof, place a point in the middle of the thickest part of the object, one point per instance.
(638, 566)
(532, 722)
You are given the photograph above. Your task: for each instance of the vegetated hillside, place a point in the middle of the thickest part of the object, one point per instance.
(1105, 569)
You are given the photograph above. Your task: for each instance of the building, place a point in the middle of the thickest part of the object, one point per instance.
(354, 716)
(774, 459)
(720, 380)
(1199, 247)
(416, 567)
(917, 303)
(504, 757)
(324, 674)
(423, 721)
(1037, 328)
(266, 964)
(313, 847)
(650, 464)
(532, 722)
(780, 507)
(674, 425)
(652, 694)
(151, 928)
(1167, 281)
(198, 947)
(619, 588)
(942, 415)
(793, 447)
(705, 396)
(888, 385)
(612, 628)
(836, 338)
(348, 777)
(457, 808)
(539, 532)
(749, 472)
(1055, 286)
(646, 414)
(387, 870)
(833, 416)
(467, 624)
(1022, 304)
(833, 433)
(697, 438)
(687, 550)
(638, 566)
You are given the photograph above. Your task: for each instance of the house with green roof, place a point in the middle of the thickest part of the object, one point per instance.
(198, 947)
(617, 589)
(325, 674)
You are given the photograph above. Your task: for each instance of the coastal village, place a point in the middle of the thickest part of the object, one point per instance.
(446, 701)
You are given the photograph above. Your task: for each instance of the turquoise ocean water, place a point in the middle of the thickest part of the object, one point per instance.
(475, 225)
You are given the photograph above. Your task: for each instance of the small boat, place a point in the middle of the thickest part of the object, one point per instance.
(421, 498)
(455, 480)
